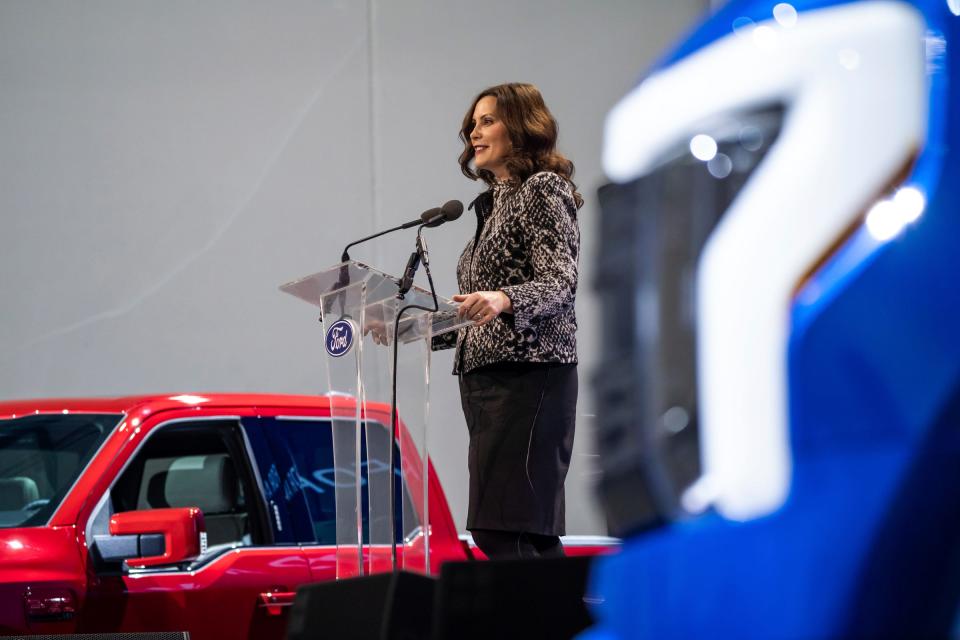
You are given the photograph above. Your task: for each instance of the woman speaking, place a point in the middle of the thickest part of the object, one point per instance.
(517, 363)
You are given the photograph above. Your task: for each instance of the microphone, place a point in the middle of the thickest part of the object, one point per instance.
(418, 257)
(431, 217)
(408, 273)
(450, 211)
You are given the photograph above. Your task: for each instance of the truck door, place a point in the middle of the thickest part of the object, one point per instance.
(302, 449)
(243, 584)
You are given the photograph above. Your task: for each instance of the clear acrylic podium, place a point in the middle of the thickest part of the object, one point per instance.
(358, 307)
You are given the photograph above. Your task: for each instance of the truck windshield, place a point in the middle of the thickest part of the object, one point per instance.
(41, 457)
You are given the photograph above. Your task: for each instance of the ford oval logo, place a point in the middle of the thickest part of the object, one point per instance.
(340, 338)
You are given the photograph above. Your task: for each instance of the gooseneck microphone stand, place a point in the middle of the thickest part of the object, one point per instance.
(420, 255)
(406, 225)
(430, 218)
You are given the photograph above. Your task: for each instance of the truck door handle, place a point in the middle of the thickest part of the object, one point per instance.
(276, 601)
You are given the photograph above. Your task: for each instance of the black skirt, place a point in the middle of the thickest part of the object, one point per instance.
(521, 419)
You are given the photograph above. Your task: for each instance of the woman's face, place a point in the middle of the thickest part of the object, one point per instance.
(490, 140)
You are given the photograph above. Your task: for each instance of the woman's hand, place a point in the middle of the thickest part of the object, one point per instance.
(378, 330)
(483, 306)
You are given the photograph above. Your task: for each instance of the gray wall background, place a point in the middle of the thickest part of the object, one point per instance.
(164, 166)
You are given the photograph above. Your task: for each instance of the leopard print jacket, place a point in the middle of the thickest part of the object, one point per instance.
(527, 244)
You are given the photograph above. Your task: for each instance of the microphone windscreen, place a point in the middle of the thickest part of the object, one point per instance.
(452, 210)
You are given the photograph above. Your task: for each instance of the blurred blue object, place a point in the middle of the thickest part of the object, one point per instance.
(780, 395)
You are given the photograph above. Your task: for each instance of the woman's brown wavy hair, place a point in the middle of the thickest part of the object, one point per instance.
(533, 134)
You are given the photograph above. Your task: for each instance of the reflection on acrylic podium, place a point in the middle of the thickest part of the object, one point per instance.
(359, 305)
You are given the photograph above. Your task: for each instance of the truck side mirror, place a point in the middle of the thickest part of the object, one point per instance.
(154, 537)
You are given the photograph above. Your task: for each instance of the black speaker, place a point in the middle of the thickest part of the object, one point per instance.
(388, 606)
(541, 598)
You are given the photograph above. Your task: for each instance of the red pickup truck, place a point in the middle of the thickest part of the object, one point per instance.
(188, 513)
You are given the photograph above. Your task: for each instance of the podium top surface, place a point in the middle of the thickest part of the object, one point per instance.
(340, 278)
(345, 288)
